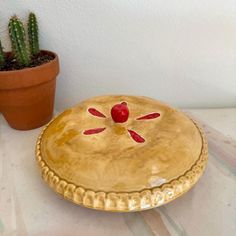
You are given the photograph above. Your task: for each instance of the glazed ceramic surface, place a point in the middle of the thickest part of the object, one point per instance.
(29, 207)
(146, 161)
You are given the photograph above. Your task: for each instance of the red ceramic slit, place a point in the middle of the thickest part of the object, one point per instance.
(149, 116)
(136, 137)
(95, 112)
(93, 131)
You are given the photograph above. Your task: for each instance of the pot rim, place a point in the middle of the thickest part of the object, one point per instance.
(28, 77)
(2, 72)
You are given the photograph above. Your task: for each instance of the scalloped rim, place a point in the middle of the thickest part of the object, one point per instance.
(124, 201)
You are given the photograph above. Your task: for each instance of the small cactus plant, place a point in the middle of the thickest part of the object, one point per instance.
(18, 39)
(2, 57)
(25, 51)
(33, 34)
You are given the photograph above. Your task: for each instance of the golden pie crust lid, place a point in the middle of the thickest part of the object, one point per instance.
(139, 160)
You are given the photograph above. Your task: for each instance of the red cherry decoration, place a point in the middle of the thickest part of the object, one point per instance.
(120, 112)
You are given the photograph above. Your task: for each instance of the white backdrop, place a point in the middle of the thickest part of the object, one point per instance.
(180, 51)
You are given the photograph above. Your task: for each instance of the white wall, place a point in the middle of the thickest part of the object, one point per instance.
(179, 51)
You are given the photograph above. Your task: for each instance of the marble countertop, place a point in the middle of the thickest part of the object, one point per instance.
(29, 207)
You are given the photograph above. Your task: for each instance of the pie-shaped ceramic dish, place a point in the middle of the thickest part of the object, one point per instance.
(121, 153)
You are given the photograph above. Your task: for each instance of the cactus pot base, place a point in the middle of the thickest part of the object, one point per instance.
(27, 95)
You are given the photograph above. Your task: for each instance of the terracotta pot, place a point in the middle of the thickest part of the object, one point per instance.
(27, 95)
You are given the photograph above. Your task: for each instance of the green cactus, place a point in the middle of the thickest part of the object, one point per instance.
(2, 57)
(33, 34)
(18, 40)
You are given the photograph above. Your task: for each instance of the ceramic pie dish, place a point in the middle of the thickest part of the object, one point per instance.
(121, 153)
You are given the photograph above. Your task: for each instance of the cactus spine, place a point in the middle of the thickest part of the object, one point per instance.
(18, 40)
(33, 34)
(2, 57)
